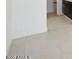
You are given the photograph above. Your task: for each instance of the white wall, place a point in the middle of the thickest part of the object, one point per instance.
(8, 24)
(59, 7)
(25, 17)
(51, 7)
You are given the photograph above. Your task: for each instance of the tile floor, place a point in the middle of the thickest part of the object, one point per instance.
(54, 44)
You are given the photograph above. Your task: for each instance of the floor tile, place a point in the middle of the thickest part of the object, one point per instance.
(54, 44)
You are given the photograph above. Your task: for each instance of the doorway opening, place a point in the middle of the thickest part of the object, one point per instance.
(51, 12)
(56, 20)
(51, 7)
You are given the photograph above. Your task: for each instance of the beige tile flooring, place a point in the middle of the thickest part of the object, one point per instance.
(54, 44)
